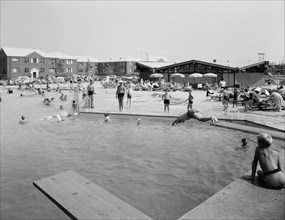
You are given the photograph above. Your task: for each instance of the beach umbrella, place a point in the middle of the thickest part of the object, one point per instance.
(178, 75)
(210, 75)
(195, 75)
(156, 75)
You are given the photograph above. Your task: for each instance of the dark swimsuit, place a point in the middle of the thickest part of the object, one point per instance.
(191, 113)
(167, 101)
(271, 172)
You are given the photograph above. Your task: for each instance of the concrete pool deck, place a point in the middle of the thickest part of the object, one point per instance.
(145, 102)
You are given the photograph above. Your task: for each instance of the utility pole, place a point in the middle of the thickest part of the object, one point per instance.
(146, 55)
(261, 57)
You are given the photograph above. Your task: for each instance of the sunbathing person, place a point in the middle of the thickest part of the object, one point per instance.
(271, 175)
(278, 101)
(193, 113)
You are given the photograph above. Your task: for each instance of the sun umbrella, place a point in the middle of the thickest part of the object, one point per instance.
(177, 74)
(210, 75)
(157, 75)
(195, 75)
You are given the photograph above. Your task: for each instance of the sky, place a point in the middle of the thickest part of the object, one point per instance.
(232, 32)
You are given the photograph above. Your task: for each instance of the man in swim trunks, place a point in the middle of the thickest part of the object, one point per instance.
(193, 113)
(91, 92)
(120, 93)
(271, 175)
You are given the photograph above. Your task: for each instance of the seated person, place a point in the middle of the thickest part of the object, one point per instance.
(209, 92)
(193, 113)
(9, 91)
(271, 175)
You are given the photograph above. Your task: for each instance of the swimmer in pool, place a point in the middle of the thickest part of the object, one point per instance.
(61, 117)
(23, 121)
(193, 113)
(271, 175)
(139, 122)
(243, 145)
(107, 118)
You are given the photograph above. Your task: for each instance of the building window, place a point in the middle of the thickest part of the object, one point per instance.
(52, 61)
(15, 60)
(68, 61)
(15, 70)
(42, 70)
(27, 70)
(34, 60)
(69, 70)
(42, 60)
(26, 60)
(52, 70)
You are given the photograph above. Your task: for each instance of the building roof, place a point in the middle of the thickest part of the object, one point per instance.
(85, 59)
(253, 65)
(22, 52)
(155, 64)
(200, 62)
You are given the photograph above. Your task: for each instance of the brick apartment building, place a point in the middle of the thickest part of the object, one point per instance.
(15, 62)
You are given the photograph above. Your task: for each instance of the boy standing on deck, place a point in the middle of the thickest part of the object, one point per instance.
(271, 175)
(166, 97)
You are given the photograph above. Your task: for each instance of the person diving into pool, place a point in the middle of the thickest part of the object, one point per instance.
(193, 113)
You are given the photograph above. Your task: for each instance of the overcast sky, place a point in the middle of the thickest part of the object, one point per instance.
(178, 30)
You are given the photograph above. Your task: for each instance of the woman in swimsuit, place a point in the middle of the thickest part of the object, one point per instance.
(129, 95)
(271, 175)
(190, 100)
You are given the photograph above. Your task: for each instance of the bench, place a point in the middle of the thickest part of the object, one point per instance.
(80, 198)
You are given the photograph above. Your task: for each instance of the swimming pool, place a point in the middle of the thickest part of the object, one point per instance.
(161, 170)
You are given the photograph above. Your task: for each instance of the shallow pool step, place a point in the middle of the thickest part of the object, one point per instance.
(80, 198)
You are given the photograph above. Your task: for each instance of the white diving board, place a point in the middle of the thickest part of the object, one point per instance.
(80, 198)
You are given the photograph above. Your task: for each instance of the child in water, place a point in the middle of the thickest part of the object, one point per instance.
(107, 118)
(243, 145)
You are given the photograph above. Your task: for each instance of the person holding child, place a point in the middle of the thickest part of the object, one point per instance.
(271, 174)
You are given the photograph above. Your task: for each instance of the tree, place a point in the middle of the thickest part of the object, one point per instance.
(59, 67)
(87, 68)
(109, 70)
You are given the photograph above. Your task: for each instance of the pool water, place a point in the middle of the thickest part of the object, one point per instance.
(163, 171)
